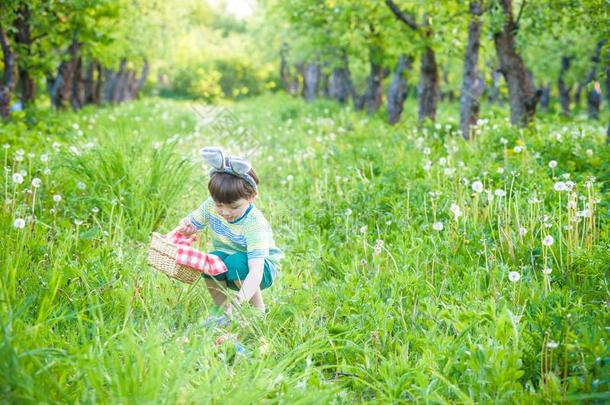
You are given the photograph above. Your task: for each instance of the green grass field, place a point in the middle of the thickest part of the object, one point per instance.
(419, 267)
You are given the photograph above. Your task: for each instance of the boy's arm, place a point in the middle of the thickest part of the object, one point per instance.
(251, 284)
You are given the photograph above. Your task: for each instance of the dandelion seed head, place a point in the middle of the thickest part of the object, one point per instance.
(547, 270)
(548, 240)
(57, 198)
(514, 276)
(517, 149)
(500, 192)
(36, 182)
(81, 186)
(17, 178)
(553, 164)
(437, 226)
(78, 222)
(19, 223)
(522, 231)
(477, 186)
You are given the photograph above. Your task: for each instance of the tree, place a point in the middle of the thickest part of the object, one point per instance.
(7, 86)
(428, 80)
(522, 96)
(472, 87)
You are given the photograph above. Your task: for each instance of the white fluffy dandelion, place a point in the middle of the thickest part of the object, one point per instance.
(17, 178)
(477, 186)
(514, 276)
(57, 198)
(455, 209)
(78, 222)
(81, 185)
(437, 226)
(500, 192)
(548, 240)
(560, 186)
(36, 182)
(19, 223)
(551, 344)
(517, 149)
(553, 164)
(522, 231)
(547, 270)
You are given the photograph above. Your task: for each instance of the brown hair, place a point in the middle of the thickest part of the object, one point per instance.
(226, 188)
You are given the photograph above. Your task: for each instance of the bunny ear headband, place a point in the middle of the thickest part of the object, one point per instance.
(214, 156)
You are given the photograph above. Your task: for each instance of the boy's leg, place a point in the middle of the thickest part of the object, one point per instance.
(257, 298)
(257, 301)
(216, 289)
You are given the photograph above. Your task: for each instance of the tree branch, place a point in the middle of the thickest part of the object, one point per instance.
(402, 16)
(519, 16)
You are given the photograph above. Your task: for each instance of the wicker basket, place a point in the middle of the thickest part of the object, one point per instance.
(162, 256)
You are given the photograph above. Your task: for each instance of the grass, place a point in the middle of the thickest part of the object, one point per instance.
(374, 304)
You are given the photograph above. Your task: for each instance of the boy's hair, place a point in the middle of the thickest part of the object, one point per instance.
(226, 188)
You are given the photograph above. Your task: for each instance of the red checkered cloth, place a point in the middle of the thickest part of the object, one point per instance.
(186, 255)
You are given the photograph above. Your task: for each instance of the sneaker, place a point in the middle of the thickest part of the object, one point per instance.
(216, 321)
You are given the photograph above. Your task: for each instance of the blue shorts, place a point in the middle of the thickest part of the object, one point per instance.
(237, 269)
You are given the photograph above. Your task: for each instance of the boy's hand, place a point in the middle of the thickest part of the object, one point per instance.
(185, 227)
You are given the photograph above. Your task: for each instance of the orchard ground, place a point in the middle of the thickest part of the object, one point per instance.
(419, 267)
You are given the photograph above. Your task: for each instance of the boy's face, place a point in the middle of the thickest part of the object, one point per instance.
(234, 210)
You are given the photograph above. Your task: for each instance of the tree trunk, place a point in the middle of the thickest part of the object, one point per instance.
(522, 98)
(62, 89)
(325, 86)
(472, 87)
(110, 78)
(564, 91)
(545, 97)
(118, 82)
(397, 93)
(140, 83)
(428, 85)
(23, 40)
(372, 97)
(578, 95)
(77, 98)
(594, 99)
(594, 96)
(90, 82)
(311, 80)
(341, 87)
(7, 86)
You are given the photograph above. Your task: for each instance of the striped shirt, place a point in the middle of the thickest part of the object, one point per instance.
(250, 234)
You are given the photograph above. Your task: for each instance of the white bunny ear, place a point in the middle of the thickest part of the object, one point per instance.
(213, 156)
(240, 165)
